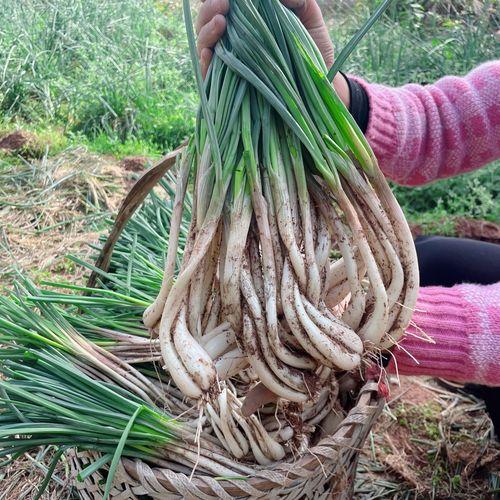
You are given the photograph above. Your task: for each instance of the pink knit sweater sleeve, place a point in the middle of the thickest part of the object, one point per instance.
(423, 133)
(464, 324)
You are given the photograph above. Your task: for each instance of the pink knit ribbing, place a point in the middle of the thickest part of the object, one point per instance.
(420, 134)
(423, 133)
(464, 323)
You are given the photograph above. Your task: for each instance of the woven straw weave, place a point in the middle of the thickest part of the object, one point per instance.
(327, 470)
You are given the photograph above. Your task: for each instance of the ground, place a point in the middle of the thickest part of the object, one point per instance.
(430, 442)
(52, 206)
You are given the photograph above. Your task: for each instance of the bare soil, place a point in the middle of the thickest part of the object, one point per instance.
(51, 207)
(477, 230)
(17, 140)
(430, 443)
(134, 163)
(474, 229)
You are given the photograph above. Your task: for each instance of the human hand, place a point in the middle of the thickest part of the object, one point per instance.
(211, 25)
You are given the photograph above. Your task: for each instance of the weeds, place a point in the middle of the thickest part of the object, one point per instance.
(475, 195)
(118, 68)
(419, 42)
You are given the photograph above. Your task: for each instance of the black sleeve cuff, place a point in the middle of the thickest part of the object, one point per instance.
(359, 106)
(386, 358)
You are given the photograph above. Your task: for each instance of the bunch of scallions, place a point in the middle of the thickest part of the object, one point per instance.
(298, 261)
(282, 177)
(289, 264)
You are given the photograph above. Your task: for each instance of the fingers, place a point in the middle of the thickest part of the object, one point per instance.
(342, 87)
(309, 13)
(209, 10)
(205, 60)
(208, 36)
(210, 26)
(293, 4)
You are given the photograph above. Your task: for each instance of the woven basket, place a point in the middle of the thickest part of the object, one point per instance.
(326, 470)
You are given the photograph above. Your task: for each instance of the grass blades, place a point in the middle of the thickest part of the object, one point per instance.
(354, 41)
(119, 451)
(94, 466)
(50, 471)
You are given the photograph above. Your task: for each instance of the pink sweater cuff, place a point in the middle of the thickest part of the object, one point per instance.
(423, 133)
(464, 324)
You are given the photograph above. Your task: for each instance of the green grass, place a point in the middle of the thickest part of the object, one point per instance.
(118, 68)
(475, 195)
(116, 75)
(419, 42)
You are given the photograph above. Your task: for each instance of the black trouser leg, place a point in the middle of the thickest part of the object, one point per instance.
(452, 261)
